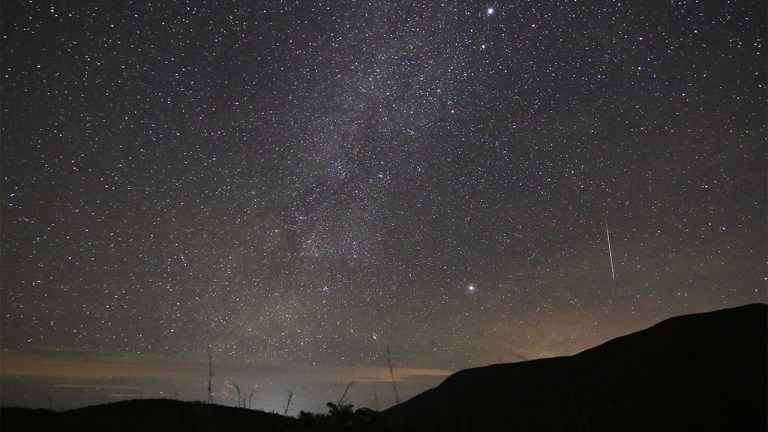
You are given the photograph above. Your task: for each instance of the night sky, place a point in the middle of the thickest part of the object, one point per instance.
(294, 186)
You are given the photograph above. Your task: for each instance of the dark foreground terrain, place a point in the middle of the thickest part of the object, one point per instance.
(146, 415)
(702, 372)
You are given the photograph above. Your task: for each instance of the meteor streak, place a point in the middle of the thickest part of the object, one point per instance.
(610, 253)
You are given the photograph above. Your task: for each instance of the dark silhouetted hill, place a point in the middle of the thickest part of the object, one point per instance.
(701, 372)
(158, 415)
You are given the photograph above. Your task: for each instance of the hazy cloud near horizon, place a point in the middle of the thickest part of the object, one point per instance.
(39, 379)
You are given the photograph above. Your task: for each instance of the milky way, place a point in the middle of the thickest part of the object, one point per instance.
(296, 186)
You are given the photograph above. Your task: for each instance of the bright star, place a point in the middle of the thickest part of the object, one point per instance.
(471, 288)
(490, 11)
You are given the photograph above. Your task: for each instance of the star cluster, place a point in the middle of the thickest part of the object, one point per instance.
(307, 183)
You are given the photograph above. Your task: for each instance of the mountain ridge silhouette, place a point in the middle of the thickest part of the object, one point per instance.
(704, 371)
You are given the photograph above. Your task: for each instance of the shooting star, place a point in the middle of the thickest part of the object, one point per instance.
(610, 252)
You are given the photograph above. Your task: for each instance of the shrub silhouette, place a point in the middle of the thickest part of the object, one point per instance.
(342, 418)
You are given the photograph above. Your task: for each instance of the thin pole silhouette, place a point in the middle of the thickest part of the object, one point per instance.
(392, 374)
(210, 378)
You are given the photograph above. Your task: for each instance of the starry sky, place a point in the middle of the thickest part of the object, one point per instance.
(294, 186)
